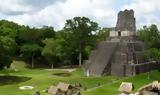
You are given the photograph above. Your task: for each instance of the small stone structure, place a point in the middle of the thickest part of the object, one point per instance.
(126, 87)
(62, 89)
(122, 54)
(150, 89)
(54, 91)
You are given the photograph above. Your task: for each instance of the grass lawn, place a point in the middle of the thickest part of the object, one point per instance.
(11, 80)
(112, 89)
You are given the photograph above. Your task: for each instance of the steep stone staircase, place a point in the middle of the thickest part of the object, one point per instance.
(100, 58)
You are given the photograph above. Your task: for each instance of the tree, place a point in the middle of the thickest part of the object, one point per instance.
(8, 31)
(81, 33)
(17, 40)
(29, 41)
(150, 35)
(30, 49)
(5, 58)
(153, 53)
(76, 39)
(9, 44)
(65, 48)
(49, 51)
(57, 49)
(102, 34)
(47, 32)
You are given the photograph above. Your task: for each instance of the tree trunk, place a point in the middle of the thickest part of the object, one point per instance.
(52, 66)
(70, 63)
(148, 76)
(80, 59)
(158, 67)
(32, 64)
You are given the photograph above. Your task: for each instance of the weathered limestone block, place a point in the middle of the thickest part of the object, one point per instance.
(126, 87)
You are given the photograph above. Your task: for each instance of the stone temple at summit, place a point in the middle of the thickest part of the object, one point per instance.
(122, 54)
(126, 24)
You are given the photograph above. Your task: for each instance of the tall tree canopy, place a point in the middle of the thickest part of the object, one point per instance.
(8, 45)
(81, 31)
(19, 40)
(50, 51)
(151, 36)
(103, 34)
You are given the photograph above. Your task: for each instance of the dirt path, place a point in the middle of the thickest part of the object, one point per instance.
(68, 70)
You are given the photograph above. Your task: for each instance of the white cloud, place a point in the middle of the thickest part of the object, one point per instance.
(55, 14)
(38, 13)
(19, 7)
(146, 11)
(13, 7)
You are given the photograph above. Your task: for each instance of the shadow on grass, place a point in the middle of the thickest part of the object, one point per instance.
(62, 74)
(6, 79)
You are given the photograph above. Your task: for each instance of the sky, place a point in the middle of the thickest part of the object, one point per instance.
(37, 13)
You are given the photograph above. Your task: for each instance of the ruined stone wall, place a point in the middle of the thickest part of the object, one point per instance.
(142, 68)
(133, 69)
